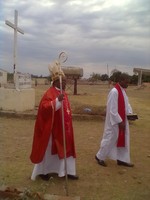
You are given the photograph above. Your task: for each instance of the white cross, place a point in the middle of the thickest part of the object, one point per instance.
(16, 29)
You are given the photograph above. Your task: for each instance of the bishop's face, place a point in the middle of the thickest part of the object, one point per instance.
(57, 83)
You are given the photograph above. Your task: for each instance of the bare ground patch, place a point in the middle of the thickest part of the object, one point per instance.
(96, 182)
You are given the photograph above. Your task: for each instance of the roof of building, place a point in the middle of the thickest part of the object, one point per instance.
(139, 70)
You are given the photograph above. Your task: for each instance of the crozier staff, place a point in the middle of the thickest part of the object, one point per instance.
(47, 148)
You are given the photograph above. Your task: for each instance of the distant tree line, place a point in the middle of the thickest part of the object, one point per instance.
(114, 77)
(10, 77)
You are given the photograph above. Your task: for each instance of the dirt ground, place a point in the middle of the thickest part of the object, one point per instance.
(95, 182)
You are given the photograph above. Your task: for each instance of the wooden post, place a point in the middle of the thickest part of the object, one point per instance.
(75, 86)
(140, 78)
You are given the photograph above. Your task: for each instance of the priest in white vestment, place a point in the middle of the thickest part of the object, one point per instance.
(115, 143)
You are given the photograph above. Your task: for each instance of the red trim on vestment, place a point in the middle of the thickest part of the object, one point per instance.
(121, 111)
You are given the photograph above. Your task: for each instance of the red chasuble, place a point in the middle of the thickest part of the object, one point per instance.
(121, 111)
(49, 123)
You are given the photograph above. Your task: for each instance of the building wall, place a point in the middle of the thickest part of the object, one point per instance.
(40, 81)
(3, 77)
(18, 101)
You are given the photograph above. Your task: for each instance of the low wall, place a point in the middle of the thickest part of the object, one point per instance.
(18, 101)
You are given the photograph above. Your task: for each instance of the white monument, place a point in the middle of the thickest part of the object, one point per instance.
(22, 97)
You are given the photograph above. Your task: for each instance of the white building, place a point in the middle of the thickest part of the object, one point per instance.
(3, 78)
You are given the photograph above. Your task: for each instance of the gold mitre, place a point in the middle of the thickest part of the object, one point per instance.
(55, 70)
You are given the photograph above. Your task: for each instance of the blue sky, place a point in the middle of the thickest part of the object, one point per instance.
(95, 34)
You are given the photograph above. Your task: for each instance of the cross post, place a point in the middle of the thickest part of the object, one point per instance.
(16, 30)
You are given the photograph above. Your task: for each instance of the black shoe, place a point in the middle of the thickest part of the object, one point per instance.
(100, 162)
(119, 162)
(73, 177)
(44, 177)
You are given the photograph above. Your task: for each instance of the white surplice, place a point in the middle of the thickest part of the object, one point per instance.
(108, 146)
(52, 163)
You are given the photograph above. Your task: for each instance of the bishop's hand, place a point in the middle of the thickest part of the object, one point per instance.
(60, 97)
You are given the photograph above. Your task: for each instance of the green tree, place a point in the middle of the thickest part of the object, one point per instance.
(134, 79)
(10, 77)
(115, 75)
(104, 77)
(94, 77)
(145, 78)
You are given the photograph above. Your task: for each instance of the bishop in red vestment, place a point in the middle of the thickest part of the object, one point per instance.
(48, 146)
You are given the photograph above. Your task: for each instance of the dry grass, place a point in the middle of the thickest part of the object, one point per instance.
(96, 182)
